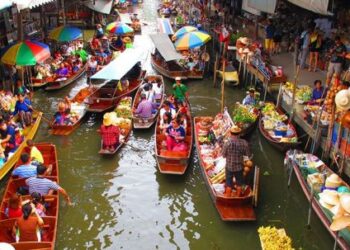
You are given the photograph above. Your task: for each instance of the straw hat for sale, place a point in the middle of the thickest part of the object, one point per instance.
(333, 181)
(340, 223)
(178, 78)
(107, 121)
(235, 130)
(342, 100)
(345, 202)
(330, 198)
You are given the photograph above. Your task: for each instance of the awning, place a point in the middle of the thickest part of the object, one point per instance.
(102, 6)
(267, 6)
(249, 9)
(164, 26)
(25, 4)
(165, 47)
(317, 6)
(118, 68)
(125, 18)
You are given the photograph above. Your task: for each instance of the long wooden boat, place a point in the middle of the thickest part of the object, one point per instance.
(77, 106)
(170, 162)
(247, 128)
(125, 131)
(282, 146)
(28, 134)
(343, 237)
(230, 208)
(168, 69)
(50, 220)
(107, 96)
(55, 85)
(141, 123)
(39, 83)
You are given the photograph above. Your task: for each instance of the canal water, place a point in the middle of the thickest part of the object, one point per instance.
(123, 202)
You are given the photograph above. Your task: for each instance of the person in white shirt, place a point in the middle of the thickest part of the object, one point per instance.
(166, 108)
(158, 90)
(148, 92)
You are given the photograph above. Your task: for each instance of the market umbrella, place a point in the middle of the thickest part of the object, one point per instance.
(26, 53)
(65, 34)
(183, 31)
(191, 40)
(119, 28)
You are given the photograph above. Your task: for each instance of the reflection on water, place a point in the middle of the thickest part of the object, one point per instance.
(123, 202)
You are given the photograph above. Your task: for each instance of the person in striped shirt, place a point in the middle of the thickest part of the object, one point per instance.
(45, 186)
(26, 170)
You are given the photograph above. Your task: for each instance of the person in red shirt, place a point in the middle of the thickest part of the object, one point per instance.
(14, 209)
(109, 132)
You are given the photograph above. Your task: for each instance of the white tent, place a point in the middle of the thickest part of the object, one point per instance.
(317, 6)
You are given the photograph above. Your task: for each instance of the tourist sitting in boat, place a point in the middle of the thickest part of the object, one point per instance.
(250, 98)
(21, 89)
(118, 43)
(61, 73)
(110, 133)
(148, 92)
(45, 186)
(179, 90)
(27, 169)
(82, 54)
(165, 121)
(28, 224)
(14, 209)
(158, 91)
(233, 150)
(167, 109)
(75, 67)
(105, 45)
(191, 64)
(145, 108)
(39, 203)
(181, 107)
(62, 115)
(24, 110)
(182, 119)
(102, 56)
(318, 93)
(35, 155)
(99, 31)
(92, 65)
(95, 44)
(175, 137)
(58, 55)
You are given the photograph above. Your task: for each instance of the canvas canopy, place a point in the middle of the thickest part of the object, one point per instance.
(165, 47)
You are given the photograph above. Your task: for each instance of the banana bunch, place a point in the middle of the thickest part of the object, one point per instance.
(274, 239)
(219, 177)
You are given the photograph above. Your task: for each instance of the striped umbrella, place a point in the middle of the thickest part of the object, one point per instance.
(191, 40)
(119, 28)
(183, 31)
(26, 53)
(65, 34)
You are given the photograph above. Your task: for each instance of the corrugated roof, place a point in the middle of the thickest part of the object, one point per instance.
(165, 47)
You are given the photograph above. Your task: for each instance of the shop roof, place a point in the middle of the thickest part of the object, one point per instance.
(165, 47)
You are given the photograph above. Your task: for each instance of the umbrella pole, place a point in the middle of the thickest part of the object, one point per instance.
(344, 154)
(215, 67)
(223, 85)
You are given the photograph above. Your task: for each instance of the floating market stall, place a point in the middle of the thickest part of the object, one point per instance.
(246, 118)
(327, 193)
(277, 129)
(273, 238)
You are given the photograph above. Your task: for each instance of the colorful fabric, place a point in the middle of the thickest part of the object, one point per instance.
(41, 185)
(110, 135)
(233, 150)
(25, 171)
(36, 155)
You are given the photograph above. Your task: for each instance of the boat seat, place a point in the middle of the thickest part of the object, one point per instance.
(167, 153)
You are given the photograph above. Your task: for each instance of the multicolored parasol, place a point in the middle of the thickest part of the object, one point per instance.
(26, 53)
(65, 34)
(191, 40)
(183, 31)
(119, 28)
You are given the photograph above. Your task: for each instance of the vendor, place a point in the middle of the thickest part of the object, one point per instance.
(24, 110)
(250, 98)
(318, 93)
(179, 90)
(233, 150)
(110, 133)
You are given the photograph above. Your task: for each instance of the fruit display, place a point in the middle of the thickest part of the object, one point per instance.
(303, 94)
(276, 125)
(329, 101)
(124, 108)
(272, 238)
(244, 114)
(211, 152)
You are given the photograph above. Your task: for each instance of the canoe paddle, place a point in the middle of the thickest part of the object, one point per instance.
(44, 118)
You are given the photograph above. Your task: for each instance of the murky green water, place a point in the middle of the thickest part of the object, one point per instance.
(123, 202)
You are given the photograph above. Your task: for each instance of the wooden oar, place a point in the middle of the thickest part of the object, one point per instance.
(44, 118)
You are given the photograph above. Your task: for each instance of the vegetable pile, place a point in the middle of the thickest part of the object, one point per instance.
(274, 239)
(244, 114)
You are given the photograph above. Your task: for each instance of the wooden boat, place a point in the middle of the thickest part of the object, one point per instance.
(140, 123)
(77, 106)
(50, 220)
(343, 238)
(247, 128)
(230, 208)
(125, 131)
(39, 83)
(61, 84)
(282, 146)
(28, 134)
(107, 96)
(170, 162)
(169, 69)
